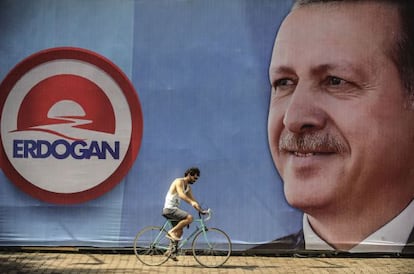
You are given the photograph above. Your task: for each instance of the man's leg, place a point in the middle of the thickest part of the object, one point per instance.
(185, 219)
(177, 231)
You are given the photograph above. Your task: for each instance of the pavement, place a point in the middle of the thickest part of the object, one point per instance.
(71, 261)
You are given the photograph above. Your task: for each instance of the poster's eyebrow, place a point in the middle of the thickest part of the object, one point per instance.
(343, 66)
(280, 70)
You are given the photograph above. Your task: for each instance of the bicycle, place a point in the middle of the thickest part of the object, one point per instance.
(211, 247)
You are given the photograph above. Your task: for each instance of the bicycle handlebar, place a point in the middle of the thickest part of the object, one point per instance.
(208, 214)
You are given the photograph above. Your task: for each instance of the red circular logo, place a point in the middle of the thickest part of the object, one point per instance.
(71, 125)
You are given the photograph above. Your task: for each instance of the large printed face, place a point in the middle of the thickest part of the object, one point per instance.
(340, 131)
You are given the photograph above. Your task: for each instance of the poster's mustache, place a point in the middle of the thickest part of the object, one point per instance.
(311, 142)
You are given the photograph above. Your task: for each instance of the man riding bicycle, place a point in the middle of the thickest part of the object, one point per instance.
(180, 190)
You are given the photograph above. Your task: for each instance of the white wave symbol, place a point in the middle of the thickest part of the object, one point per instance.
(72, 112)
(69, 128)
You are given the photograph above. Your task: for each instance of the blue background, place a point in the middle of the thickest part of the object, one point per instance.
(200, 71)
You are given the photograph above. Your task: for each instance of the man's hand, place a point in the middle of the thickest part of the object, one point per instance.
(196, 206)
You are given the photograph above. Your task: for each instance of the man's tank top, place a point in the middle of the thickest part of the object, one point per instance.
(173, 200)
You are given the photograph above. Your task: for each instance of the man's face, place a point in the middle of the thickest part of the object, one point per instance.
(193, 178)
(339, 129)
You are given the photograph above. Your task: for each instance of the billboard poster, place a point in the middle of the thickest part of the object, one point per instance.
(285, 109)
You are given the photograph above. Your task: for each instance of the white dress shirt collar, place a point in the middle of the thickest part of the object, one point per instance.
(392, 237)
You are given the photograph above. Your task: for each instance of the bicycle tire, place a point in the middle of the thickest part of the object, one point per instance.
(151, 245)
(211, 248)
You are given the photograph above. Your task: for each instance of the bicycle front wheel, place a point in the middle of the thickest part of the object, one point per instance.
(151, 245)
(211, 248)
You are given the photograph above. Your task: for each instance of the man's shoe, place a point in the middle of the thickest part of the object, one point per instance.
(172, 237)
(174, 257)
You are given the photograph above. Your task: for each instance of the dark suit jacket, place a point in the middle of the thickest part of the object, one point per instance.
(291, 242)
(296, 242)
(409, 247)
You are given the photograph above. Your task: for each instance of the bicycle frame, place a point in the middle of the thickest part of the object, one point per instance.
(200, 227)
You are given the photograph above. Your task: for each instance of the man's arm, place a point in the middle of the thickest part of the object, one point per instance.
(195, 204)
(188, 197)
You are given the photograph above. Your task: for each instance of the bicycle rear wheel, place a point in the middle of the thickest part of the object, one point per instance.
(211, 248)
(151, 246)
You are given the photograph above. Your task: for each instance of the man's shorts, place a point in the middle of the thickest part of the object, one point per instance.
(174, 213)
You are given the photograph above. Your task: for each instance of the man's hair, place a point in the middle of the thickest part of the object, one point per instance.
(192, 171)
(402, 51)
